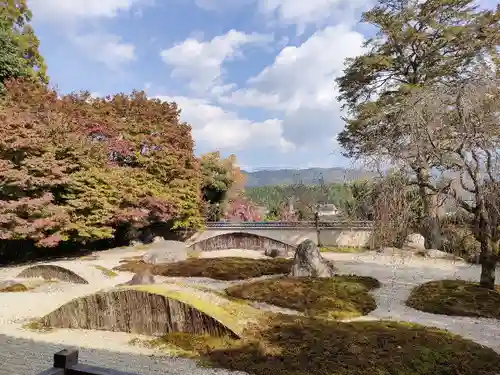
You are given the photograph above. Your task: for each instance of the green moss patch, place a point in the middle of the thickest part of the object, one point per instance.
(339, 297)
(24, 286)
(36, 325)
(290, 345)
(179, 344)
(194, 254)
(106, 271)
(89, 257)
(342, 249)
(229, 268)
(456, 298)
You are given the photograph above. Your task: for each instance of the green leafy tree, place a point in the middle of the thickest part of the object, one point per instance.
(19, 46)
(359, 205)
(417, 44)
(222, 181)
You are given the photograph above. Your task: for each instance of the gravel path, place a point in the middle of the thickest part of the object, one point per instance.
(27, 357)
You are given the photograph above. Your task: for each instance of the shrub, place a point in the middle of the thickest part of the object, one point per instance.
(460, 241)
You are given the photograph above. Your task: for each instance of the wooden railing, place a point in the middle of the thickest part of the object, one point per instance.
(290, 224)
(66, 363)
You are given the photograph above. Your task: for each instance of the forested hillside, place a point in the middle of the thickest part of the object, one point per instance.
(310, 176)
(272, 196)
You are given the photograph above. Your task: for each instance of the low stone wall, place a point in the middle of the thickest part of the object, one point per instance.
(340, 237)
(241, 240)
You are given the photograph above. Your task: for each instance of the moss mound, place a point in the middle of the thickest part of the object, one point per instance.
(229, 268)
(332, 298)
(457, 298)
(50, 271)
(156, 310)
(298, 345)
(14, 288)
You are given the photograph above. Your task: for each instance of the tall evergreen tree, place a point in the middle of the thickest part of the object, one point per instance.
(417, 44)
(19, 46)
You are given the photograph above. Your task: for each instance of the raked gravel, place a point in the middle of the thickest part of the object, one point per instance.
(400, 276)
(20, 355)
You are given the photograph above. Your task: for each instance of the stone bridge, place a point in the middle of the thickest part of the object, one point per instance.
(280, 235)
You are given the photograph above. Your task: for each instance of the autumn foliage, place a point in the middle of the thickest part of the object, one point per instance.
(77, 168)
(242, 209)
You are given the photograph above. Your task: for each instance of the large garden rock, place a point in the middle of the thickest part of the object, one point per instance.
(308, 262)
(165, 252)
(142, 278)
(416, 241)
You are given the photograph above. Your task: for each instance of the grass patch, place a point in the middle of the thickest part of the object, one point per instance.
(339, 297)
(289, 345)
(456, 298)
(106, 271)
(229, 268)
(342, 249)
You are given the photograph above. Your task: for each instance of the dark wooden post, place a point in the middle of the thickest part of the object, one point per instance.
(63, 361)
(316, 222)
(66, 363)
(66, 358)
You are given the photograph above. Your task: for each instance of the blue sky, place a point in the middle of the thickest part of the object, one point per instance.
(253, 77)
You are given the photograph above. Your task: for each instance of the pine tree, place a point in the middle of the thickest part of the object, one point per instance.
(417, 44)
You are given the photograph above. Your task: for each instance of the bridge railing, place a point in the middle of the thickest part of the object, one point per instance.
(290, 224)
(66, 363)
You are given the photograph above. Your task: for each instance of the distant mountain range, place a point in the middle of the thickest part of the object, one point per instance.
(310, 176)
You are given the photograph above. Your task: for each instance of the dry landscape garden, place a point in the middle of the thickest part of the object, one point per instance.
(101, 200)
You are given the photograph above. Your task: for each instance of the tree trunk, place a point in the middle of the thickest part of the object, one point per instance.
(431, 228)
(432, 232)
(484, 231)
(488, 259)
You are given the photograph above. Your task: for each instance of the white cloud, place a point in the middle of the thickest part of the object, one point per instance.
(221, 5)
(75, 18)
(300, 13)
(201, 63)
(105, 48)
(301, 84)
(69, 10)
(215, 128)
(312, 12)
